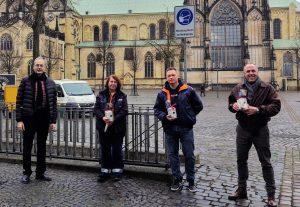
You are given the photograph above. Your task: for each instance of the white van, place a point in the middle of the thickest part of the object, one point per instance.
(74, 93)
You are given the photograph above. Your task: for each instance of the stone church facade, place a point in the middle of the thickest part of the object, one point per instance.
(138, 46)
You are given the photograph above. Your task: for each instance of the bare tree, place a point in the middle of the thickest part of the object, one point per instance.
(134, 63)
(104, 48)
(169, 50)
(31, 12)
(10, 61)
(52, 56)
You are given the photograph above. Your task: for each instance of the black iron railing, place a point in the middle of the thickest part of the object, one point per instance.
(76, 136)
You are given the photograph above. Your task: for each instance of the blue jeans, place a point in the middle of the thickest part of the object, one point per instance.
(175, 134)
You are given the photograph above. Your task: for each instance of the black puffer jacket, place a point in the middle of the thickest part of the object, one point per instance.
(25, 98)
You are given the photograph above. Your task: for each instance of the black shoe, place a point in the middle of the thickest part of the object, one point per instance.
(117, 177)
(42, 178)
(240, 193)
(271, 201)
(176, 185)
(103, 177)
(192, 187)
(25, 179)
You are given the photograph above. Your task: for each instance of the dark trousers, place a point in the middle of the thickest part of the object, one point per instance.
(39, 125)
(111, 151)
(260, 139)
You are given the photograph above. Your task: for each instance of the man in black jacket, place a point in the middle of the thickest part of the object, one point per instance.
(254, 102)
(177, 105)
(36, 113)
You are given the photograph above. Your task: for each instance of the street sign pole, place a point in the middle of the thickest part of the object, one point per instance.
(184, 19)
(185, 61)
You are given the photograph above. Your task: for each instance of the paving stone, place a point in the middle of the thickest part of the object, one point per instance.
(216, 177)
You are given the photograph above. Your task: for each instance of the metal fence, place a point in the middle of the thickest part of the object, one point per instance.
(76, 136)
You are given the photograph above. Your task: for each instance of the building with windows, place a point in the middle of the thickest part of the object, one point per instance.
(286, 30)
(135, 40)
(230, 33)
(16, 38)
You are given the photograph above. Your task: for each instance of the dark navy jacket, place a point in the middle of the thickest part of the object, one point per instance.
(120, 107)
(187, 107)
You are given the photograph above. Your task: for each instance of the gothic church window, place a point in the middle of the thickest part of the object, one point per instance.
(6, 42)
(226, 36)
(288, 65)
(255, 34)
(110, 67)
(96, 33)
(91, 71)
(277, 28)
(29, 42)
(162, 29)
(105, 31)
(152, 32)
(29, 67)
(114, 33)
(172, 30)
(149, 65)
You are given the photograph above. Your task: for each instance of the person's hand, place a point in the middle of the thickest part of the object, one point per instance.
(107, 121)
(251, 110)
(52, 127)
(235, 106)
(170, 118)
(20, 126)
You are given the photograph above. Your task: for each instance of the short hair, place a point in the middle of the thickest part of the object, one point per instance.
(40, 58)
(116, 79)
(171, 68)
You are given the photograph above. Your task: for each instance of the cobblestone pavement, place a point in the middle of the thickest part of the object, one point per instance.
(216, 177)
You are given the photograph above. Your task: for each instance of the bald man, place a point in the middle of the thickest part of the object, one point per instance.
(254, 102)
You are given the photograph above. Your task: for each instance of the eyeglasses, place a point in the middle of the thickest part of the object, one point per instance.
(39, 65)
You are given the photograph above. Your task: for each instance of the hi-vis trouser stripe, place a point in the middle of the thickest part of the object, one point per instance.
(104, 170)
(116, 170)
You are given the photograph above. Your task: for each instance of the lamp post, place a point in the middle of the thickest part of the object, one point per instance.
(297, 66)
(218, 78)
(217, 68)
(273, 58)
(206, 58)
(78, 71)
(186, 44)
(246, 51)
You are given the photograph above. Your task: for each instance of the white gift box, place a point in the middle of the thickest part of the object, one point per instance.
(109, 114)
(172, 112)
(242, 103)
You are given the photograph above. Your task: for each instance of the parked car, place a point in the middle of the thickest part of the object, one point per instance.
(74, 94)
